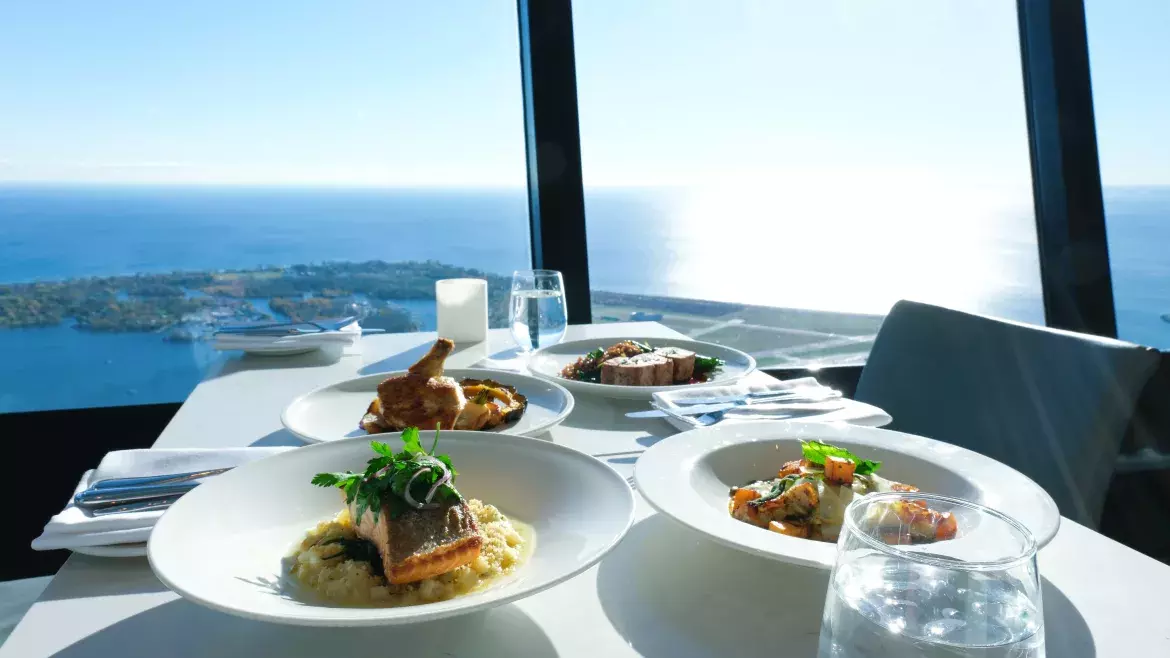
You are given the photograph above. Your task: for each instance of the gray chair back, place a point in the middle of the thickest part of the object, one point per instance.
(1052, 404)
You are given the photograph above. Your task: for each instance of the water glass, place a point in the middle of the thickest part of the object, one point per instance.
(537, 312)
(977, 595)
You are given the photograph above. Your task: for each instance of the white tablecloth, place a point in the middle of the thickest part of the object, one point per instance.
(662, 592)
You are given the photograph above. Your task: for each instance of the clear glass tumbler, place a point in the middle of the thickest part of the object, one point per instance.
(975, 595)
(537, 312)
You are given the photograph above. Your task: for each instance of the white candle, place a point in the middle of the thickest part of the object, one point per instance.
(462, 309)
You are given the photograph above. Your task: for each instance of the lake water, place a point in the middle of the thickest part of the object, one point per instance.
(794, 247)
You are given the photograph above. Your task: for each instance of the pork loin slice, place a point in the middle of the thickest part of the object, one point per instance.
(421, 544)
(640, 370)
(682, 360)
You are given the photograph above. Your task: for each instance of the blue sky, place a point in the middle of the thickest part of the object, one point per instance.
(389, 92)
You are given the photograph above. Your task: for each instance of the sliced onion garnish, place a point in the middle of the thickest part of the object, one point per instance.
(408, 496)
(446, 477)
(438, 483)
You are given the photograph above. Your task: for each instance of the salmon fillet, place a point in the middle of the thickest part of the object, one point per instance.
(421, 544)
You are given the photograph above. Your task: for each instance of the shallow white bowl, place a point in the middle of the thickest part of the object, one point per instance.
(688, 475)
(221, 545)
(548, 362)
(332, 412)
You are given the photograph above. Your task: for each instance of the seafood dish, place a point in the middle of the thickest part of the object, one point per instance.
(808, 497)
(406, 535)
(632, 363)
(423, 397)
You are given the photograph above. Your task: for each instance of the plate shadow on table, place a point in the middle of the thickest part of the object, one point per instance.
(399, 361)
(180, 629)
(591, 412)
(1066, 634)
(100, 576)
(670, 592)
(281, 437)
(252, 362)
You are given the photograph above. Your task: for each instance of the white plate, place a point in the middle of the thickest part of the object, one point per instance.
(333, 412)
(137, 549)
(548, 362)
(280, 351)
(221, 545)
(687, 477)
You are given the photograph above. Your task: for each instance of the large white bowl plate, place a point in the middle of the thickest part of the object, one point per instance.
(687, 477)
(548, 362)
(221, 545)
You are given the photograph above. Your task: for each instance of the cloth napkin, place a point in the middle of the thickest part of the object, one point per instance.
(73, 527)
(853, 412)
(347, 337)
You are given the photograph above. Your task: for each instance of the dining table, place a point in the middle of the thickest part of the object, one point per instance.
(662, 591)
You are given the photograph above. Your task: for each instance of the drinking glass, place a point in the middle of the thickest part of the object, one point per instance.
(537, 310)
(977, 595)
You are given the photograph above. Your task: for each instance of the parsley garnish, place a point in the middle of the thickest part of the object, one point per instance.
(645, 347)
(815, 452)
(706, 364)
(388, 474)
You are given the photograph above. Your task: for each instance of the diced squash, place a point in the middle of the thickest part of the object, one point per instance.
(742, 496)
(789, 468)
(797, 501)
(839, 470)
(789, 528)
(748, 514)
(946, 527)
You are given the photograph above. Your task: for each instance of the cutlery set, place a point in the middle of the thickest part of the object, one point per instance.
(278, 329)
(139, 494)
(779, 405)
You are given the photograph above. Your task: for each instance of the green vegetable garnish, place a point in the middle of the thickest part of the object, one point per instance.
(816, 452)
(778, 488)
(397, 480)
(645, 347)
(360, 550)
(706, 364)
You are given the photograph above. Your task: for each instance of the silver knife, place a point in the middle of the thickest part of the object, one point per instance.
(701, 409)
(136, 506)
(111, 483)
(762, 396)
(93, 498)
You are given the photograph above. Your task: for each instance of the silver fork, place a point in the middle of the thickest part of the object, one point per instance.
(689, 420)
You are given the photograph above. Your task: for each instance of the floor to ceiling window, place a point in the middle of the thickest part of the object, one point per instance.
(775, 175)
(169, 167)
(1130, 59)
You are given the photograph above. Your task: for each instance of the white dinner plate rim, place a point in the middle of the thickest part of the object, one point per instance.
(682, 451)
(135, 549)
(392, 616)
(569, 401)
(641, 392)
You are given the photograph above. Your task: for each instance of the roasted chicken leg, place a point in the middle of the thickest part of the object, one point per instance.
(423, 397)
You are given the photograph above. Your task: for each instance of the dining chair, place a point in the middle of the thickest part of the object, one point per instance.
(1054, 405)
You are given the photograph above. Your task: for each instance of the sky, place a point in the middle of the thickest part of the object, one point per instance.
(671, 92)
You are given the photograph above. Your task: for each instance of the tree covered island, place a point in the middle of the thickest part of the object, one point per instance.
(191, 305)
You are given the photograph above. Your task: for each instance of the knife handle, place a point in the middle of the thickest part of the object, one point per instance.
(148, 480)
(91, 498)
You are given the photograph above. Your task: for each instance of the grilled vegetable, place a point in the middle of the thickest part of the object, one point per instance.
(839, 470)
(790, 528)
